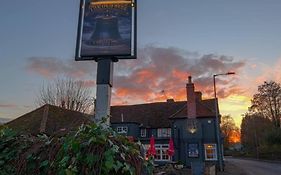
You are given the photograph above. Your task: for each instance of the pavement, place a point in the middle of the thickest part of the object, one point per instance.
(232, 169)
(253, 167)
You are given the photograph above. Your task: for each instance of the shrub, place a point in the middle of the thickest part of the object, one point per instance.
(92, 149)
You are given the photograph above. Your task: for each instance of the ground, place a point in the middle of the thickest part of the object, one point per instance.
(230, 169)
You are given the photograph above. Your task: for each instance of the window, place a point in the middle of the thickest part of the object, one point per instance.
(161, 152)
(164, 132)
(210, 151)
(143, 132)
(193, 150)
(122, 129)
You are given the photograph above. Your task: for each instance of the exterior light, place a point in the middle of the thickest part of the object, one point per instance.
(230, 73)
(219, 146)
(192, 125)
(192, 130)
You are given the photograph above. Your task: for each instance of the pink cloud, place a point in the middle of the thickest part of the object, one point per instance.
(3, 105)
(51, 67)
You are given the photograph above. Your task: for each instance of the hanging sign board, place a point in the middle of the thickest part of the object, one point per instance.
(107, 28)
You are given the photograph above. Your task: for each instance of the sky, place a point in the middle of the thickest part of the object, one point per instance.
(175, 39)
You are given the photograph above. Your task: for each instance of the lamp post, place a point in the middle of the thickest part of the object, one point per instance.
(219, 147)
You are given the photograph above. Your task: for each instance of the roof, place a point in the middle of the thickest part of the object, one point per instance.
(204, 108)
(48, 119)
(156, 115)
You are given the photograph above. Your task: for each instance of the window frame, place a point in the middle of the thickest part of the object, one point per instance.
(122, 129)
(212, 148)
(161, 150)
(193, 150)
(143, 132)
(164, 132)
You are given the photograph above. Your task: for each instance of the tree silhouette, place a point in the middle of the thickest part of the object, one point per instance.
(66, 93)
(229, 129)
(267, 102)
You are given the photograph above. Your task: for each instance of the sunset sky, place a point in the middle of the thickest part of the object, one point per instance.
(176, 38)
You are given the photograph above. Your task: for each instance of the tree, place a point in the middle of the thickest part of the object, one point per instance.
(229, 130)
(254, 129)
(267, 102)
(66, 93)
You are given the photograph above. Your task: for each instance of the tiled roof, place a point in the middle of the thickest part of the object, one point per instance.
(157, 115)
(204, 108)
(49, 119)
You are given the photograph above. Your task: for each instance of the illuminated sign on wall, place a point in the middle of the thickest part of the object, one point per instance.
(107, 28)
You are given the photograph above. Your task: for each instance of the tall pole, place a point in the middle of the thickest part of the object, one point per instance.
(218, 133)
(103, 93)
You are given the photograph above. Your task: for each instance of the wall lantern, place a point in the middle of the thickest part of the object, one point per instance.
(192, 125)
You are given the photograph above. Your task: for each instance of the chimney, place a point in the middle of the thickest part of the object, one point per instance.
(170, 100)
(191, 99)
(198, 95)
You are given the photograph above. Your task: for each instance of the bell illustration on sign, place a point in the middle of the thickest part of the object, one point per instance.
(107, 27)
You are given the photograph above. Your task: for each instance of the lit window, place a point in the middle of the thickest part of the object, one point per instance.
(164, 132)
(122, 129)
(143, 132)
(210, 151)
(161, 152)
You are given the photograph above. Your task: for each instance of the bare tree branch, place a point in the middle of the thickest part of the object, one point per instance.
(66, 93)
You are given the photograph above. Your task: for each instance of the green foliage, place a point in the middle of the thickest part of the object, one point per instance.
(10, 148)
(271, 152)
(253, 131)
(93, 149)
(260, 138)
(273, 137)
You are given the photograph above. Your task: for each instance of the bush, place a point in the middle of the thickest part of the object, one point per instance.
(90, 150)
(271, 152)
(274, 136)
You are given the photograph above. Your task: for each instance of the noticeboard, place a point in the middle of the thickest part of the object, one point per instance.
(106, 28)
(193, 150)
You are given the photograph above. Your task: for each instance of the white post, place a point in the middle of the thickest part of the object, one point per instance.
(103, 94)
(103, 102)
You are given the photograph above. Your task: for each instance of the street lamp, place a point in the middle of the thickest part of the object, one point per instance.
(219, 148)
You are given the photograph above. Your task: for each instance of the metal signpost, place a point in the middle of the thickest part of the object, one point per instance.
(106, 33)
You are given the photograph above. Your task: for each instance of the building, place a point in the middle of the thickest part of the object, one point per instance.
(48, 119)
(191, 124)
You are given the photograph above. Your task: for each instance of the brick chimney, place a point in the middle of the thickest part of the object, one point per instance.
(191, 99)
(198, 95)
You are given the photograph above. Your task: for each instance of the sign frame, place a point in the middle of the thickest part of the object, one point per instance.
(193, 150)
(114, 57)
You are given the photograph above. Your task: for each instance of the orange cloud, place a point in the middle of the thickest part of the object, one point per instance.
(167, 69)
(179, 74)
(122, 92)
(143, 75)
